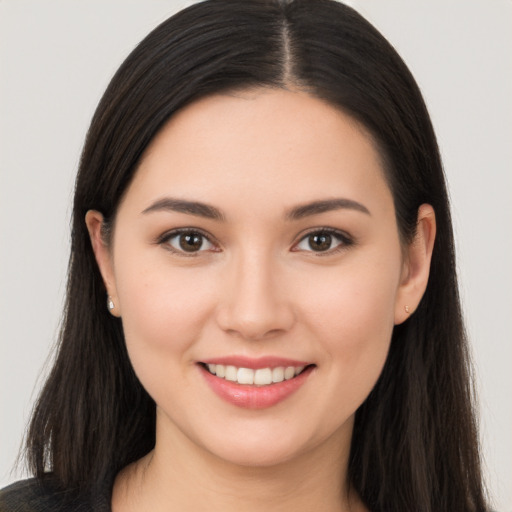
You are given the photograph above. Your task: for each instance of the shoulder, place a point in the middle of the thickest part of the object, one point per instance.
(27, 496)
(34, 495)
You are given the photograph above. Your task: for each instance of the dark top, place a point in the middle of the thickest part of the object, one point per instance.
(35, 496)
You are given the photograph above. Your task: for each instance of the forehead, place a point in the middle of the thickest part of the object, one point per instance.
(282, 145)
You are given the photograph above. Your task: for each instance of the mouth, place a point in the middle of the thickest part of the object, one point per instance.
(255, 377)
(269, 381)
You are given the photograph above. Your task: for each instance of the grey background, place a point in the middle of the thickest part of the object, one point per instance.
(56, 58)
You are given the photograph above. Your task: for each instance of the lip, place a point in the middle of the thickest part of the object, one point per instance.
(256, 363)
(255, 397)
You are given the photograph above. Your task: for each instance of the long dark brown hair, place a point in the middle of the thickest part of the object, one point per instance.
(414, 445)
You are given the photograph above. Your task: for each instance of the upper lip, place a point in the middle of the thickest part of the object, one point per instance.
(256, 363)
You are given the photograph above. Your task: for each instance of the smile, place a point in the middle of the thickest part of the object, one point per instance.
(259, 377)
(255, 383)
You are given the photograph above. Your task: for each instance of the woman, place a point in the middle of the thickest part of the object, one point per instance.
(262, 299)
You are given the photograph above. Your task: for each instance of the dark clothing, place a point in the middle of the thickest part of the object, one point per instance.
(33, 495)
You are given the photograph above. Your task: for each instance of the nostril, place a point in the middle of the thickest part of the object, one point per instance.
(255, 312)
(252, 332)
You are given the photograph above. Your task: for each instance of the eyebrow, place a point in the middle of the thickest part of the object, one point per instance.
(184, 206)
(296, 213)
(325, 205)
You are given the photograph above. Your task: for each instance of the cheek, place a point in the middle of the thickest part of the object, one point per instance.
(163, 309)
(352, 320)
(163, 314)
(353, 316)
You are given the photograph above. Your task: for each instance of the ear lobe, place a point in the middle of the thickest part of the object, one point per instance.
(94, 222)
(416, 268)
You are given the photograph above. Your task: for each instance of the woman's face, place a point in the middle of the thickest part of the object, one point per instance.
(258, 233)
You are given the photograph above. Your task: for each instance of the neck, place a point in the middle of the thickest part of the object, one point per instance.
(180, 475)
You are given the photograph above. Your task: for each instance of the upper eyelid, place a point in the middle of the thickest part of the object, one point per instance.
(345, 239)
(331, 231)
(178, 231)
(168, 235)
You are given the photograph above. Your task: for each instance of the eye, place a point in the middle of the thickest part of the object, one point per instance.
(187, 241)
(322, 241)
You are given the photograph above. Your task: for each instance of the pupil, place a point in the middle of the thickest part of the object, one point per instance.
(191, 242)
(320, 241)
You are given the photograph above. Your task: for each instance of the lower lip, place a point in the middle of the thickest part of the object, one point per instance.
(255, 397)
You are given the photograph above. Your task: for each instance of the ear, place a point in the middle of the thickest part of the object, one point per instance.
(94, 221)
(416, 266)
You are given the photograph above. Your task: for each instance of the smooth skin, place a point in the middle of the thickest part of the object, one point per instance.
(255, 277)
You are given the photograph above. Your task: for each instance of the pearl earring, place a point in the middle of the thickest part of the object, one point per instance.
(110, 303)
(407, 309)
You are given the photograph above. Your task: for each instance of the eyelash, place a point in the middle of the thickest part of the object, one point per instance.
(166, 237)
(344, 240)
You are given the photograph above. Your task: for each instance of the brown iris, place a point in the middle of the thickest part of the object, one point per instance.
(191, 242)
(320, 241)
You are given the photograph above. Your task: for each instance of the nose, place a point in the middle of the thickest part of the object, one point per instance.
(255, 303)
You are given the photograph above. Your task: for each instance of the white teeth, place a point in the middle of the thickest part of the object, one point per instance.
(260, 377)
(231, 373)
(278, 374)
(263, 377)
(245, 376)
(289, 373)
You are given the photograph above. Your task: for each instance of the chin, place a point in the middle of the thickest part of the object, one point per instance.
(257, 456)
(267, 447)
